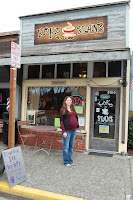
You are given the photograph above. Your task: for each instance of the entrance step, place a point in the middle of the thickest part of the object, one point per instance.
(102, 152)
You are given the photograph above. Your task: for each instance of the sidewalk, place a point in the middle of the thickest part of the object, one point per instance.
(93, 177)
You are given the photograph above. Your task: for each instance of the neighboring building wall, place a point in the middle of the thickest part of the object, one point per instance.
(131, 90)
(5, 54)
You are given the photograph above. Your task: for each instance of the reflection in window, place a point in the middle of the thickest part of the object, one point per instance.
(63, 70)
(33, 71)
(48, 71)
(99, 69)
(114, 69)
(47, 102)
(80, 70)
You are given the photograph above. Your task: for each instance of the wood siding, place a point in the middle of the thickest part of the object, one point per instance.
(5, 43)
(116, 31)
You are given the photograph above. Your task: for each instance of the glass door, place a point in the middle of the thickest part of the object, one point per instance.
(104, 128)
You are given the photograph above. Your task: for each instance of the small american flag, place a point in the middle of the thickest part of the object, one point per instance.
(132, 84)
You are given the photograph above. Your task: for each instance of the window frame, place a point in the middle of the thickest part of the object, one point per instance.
(90, 70)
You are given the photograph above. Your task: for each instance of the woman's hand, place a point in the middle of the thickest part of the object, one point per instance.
(65, 135)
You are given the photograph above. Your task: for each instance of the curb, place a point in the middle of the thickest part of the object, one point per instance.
(33, 193)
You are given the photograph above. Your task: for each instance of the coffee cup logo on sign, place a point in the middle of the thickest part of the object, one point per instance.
(69, 31)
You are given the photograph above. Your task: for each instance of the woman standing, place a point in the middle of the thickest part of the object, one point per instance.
(69, 124)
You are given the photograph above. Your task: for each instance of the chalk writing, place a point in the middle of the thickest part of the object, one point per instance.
(105, 118)
(105, 103)
(105, 111)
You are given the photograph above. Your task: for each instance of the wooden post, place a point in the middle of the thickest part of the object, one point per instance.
(11, 125)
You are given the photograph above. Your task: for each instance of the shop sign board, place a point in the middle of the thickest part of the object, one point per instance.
(14, 165)
(15, 55)
(83, 29)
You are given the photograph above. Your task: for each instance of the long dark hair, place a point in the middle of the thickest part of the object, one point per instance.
(64, 106)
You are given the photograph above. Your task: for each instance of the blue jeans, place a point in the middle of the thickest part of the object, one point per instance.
(68, 143)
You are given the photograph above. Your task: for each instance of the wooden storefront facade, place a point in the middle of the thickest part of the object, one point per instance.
(84, 53)
(5, 53)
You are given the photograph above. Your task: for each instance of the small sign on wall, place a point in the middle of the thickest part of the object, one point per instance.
(14, 165)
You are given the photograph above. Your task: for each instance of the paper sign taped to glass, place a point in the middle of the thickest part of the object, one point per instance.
(57, 122)
(103, 129)
(79, 109)
(81, 121)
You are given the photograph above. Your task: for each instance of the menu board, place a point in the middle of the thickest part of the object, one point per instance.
(14, 165)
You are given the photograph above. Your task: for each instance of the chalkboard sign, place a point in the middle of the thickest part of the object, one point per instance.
(14, 165)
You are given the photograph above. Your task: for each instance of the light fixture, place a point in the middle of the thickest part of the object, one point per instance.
(120, 81)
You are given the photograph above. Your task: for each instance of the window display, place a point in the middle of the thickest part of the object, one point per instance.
(47, 102)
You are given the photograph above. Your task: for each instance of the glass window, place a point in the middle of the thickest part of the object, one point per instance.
(48, 71)
(33, 71)
(80, 70)
(63, 70)
(4, 94)
(114, 69)
(99, 69)
(4, 74)
(45, 103)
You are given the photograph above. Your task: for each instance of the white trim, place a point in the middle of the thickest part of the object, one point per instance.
(107, 69)
(127, 26)
(25, 72)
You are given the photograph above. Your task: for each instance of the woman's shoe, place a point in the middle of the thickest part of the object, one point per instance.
(68, 165)
(72, 164)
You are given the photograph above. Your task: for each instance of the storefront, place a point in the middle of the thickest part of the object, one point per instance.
(5, 53)
(83, 53)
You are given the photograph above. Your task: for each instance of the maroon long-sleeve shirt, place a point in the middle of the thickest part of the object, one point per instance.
(73, 122)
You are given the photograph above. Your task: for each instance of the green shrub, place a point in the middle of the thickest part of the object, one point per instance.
(130, 131)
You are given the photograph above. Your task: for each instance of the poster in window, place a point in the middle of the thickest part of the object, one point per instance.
(31, 116)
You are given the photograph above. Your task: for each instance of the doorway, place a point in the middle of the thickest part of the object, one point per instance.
(104, 116)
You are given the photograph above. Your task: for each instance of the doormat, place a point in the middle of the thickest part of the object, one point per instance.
(100, 154)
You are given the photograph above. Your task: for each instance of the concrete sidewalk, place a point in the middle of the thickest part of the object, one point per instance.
(93, 177)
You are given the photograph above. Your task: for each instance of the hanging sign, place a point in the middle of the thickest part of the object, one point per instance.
(83, 29)
(15, 55)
